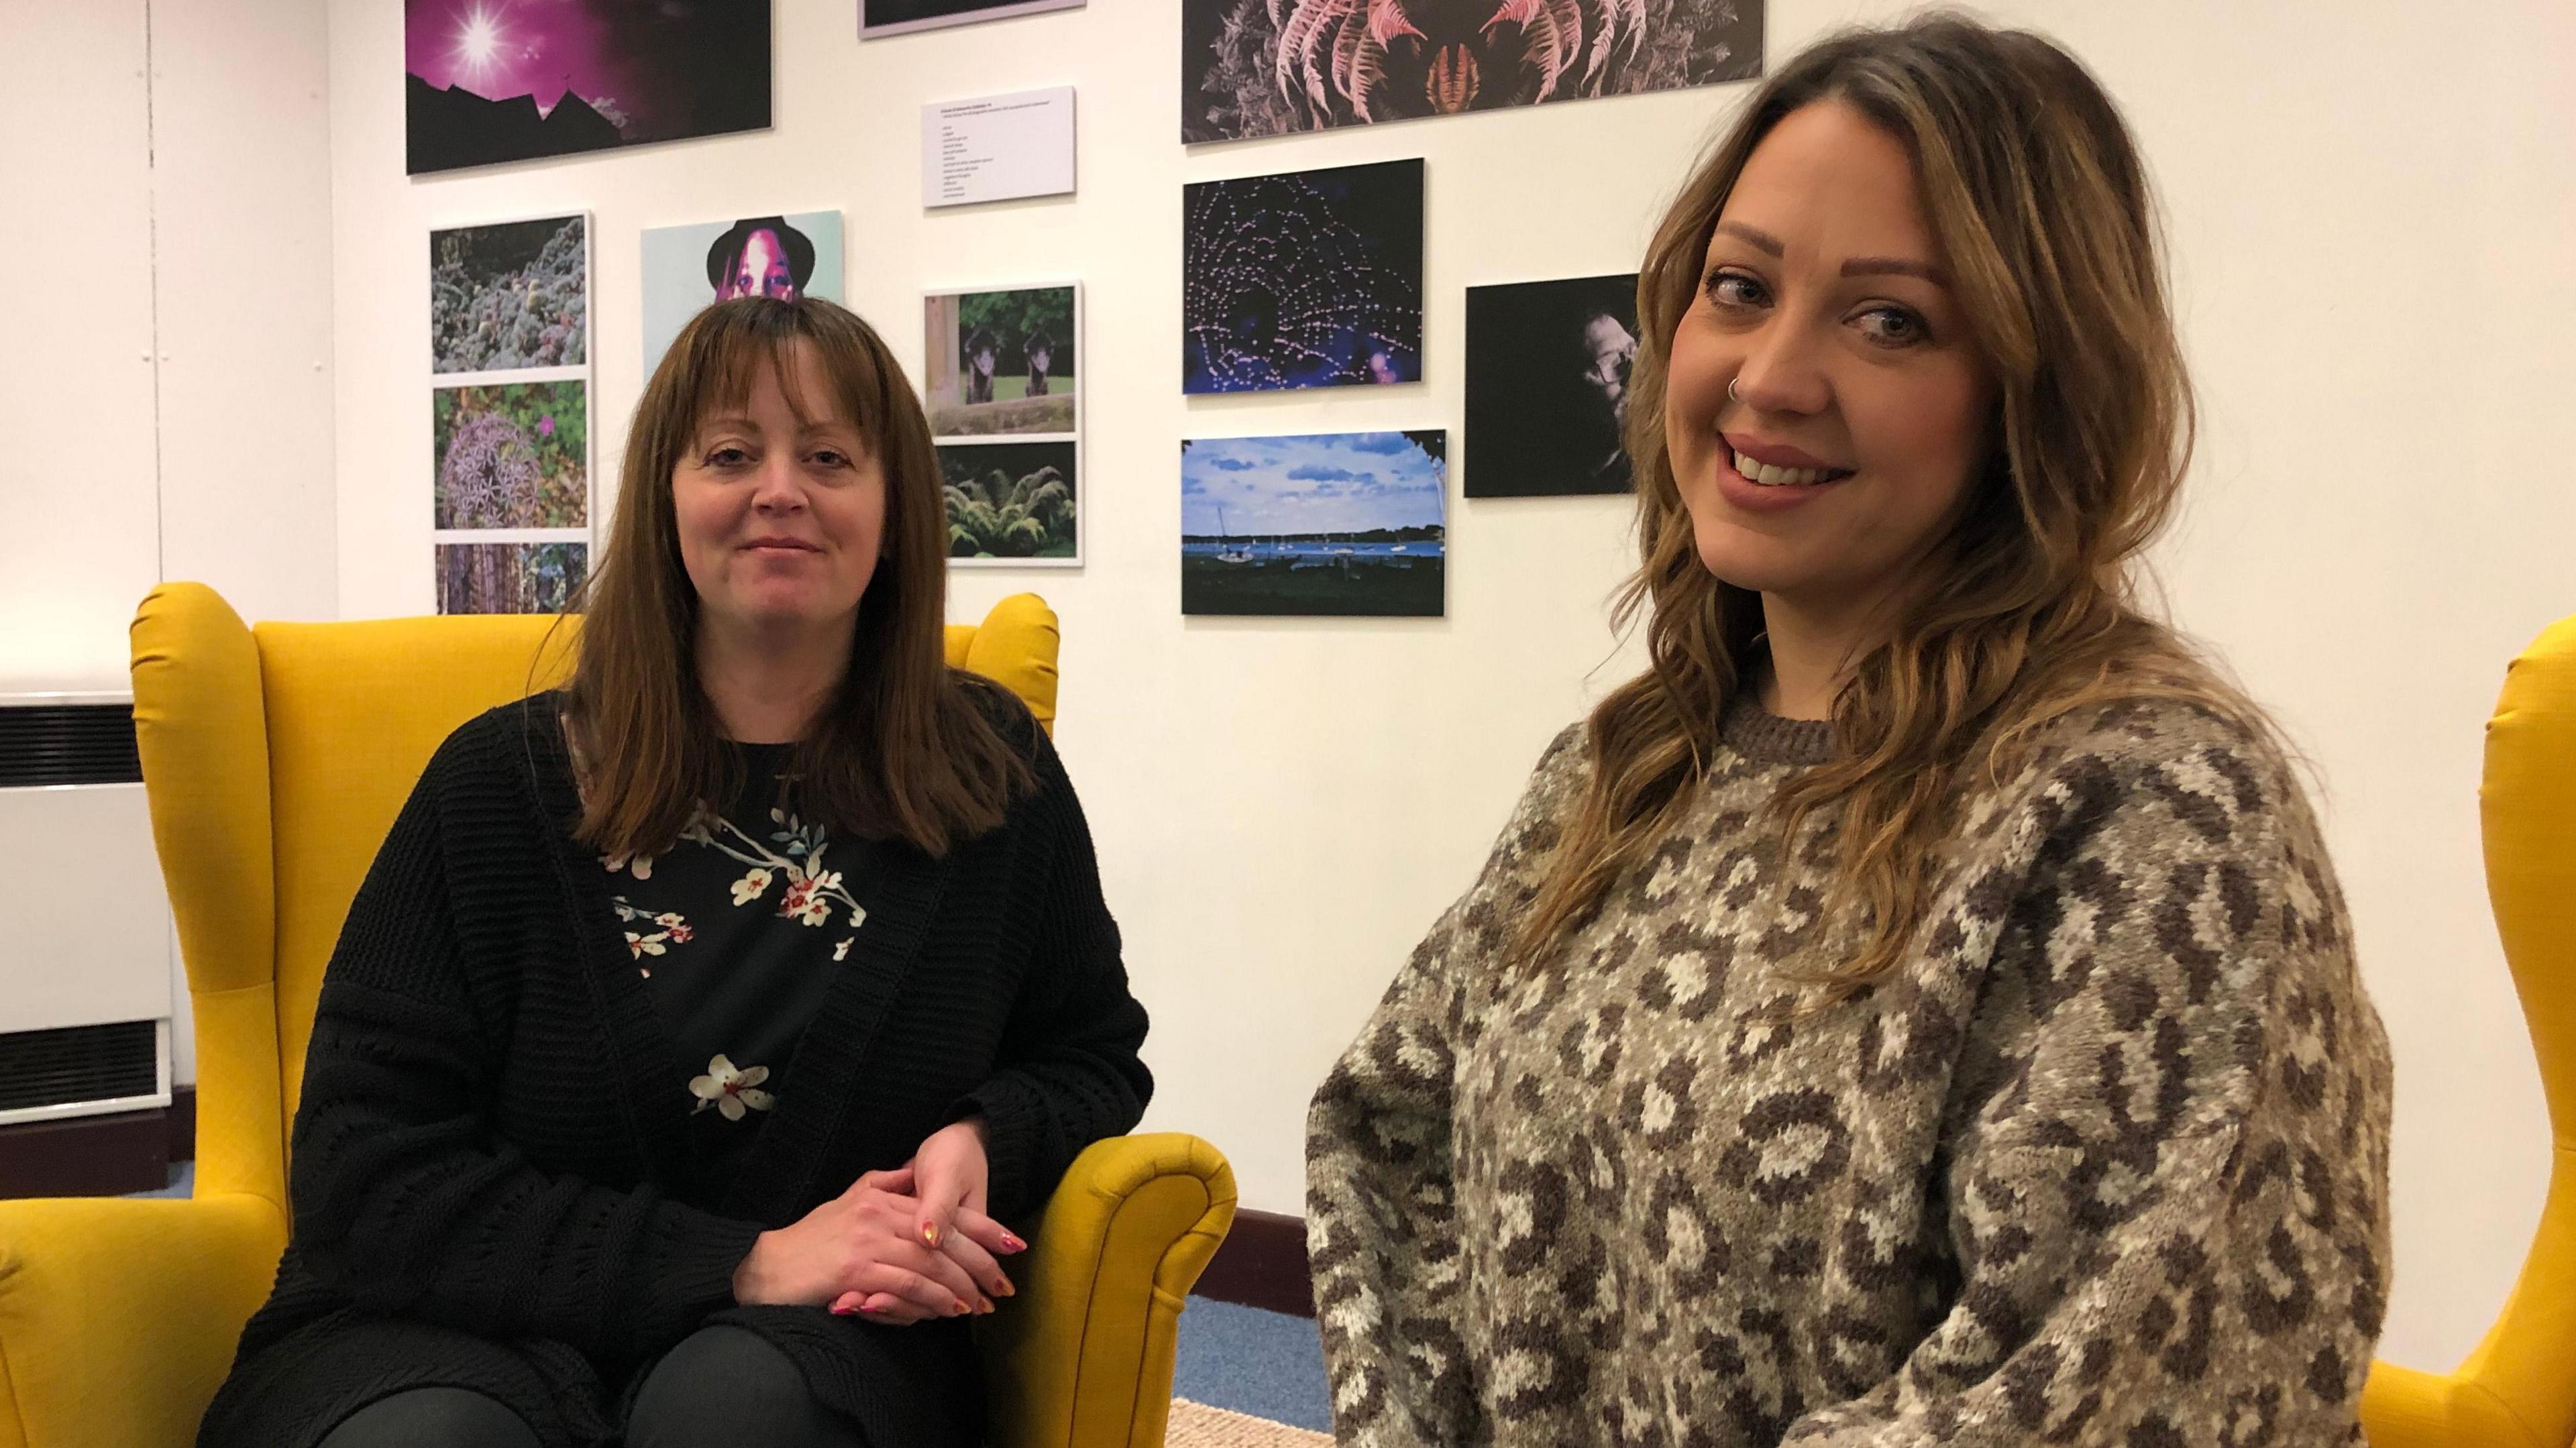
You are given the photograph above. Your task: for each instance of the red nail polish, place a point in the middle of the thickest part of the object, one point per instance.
(1013, 1244)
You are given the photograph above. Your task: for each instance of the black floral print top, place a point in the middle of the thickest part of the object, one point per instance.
(741, 927)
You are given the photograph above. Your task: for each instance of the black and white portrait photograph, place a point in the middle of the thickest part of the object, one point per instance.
(1547, 386)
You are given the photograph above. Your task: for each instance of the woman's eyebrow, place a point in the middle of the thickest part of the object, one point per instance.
(1876, 266)
(1859, 266)
(1761, 240)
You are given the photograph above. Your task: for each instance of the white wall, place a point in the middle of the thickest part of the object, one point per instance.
(165, 331)
(79, 516)
(2369, 212)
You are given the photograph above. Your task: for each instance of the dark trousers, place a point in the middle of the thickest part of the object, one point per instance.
(722, 1386)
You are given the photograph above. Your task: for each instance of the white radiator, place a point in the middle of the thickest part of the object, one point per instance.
(85, 946)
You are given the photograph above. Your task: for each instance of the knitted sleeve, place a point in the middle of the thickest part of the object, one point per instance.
(406, 1200)
(2167, 1172)
(1381, 1219)
(1070, 1074)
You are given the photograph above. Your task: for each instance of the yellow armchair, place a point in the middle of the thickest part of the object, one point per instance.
(275, 759)
(2518, 1389)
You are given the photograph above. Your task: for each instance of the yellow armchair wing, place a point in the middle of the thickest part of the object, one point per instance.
(2518, 1389)
(275, 759)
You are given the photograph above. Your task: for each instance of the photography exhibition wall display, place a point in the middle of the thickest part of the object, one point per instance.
(490, 81)
(509, 405)
(998, 148)
(900, 17)
(688, 268)
(1305, 279)
(1337, 524)
(1278, 67)
(1547, 386)
(1002, 383)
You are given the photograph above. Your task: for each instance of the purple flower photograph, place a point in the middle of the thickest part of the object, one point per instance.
(512, 456)
(510, 80)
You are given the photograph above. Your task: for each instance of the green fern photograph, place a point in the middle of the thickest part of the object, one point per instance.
(1011, 503)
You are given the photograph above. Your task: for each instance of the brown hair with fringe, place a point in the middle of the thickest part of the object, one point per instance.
(2030, 609)
(904, 748)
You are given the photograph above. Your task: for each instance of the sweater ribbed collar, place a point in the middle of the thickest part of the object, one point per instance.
(1766, 738)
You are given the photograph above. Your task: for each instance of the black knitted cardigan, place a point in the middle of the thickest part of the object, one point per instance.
(491, 1184)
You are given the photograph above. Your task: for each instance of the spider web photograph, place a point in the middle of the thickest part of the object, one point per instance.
(1306, 279)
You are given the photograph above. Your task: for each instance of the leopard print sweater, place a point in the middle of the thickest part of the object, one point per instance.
(2103, 1162)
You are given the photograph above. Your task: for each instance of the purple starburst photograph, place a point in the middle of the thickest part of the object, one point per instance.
(1308, 279)
(510, 80)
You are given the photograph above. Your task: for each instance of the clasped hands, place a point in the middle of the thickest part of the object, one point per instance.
(898, 1247)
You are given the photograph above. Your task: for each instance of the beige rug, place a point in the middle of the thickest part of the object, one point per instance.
(1196, 1425)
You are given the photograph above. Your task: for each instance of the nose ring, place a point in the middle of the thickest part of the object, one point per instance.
(1730, 389)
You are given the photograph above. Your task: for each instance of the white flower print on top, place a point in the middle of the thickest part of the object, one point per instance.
(795, 852)
(731, 1090)
(675, 930)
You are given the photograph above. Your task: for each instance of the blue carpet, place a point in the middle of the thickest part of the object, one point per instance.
(1266, 1364)
(1242, 1359)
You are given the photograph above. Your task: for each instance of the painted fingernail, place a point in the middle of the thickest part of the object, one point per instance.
(962, 1308)
(1002, 1287)
(843, 1311)
(930, 1233)
(1013, 1244)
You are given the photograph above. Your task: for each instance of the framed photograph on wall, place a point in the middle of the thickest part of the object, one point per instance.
(1013, 504)
(511, 455)
(510, 462)
(1339, 524)
(901, 17)
(1002, 383)
(687, 268)
(1547, 386)
(487, 81)
(1303, 279)
(1280, 67)
(512, 296)
(510, 577)
(1005, 361)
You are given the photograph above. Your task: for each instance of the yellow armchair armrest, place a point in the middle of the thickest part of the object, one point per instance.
(1083, 1354)
(118, 1317)
(2403, 1408)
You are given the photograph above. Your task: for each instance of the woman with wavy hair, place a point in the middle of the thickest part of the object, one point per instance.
(701, 1023)
(1918, 1009)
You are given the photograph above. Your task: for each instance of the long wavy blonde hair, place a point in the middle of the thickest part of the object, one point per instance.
(2031, 609)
